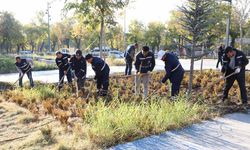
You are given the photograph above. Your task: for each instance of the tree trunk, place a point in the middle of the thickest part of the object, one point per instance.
(101, 37)
(202, 58)
(241, 36)
(53, 46)
(78, 42)
(66, 42)
(190, 84)
(18, 48)
(40, 48)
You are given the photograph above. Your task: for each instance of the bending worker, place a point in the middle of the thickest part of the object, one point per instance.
(174, 72)
(23, 67)
(79, 67)
(101, 74)
(234, 63)
(64, 68)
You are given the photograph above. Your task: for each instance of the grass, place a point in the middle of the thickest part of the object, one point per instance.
(40, 93)
(119, 121)
(109, 123)
(115, 61)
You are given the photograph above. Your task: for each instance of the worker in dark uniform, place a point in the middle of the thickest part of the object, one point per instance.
(174, 72)
(129, 58)
(234, 63)
(101, 74)
(220, 55)
(144, 63)
(79, 68)
(64, 68)
(23, 67)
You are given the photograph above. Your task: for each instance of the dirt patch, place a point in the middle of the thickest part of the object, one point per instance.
(20, 129)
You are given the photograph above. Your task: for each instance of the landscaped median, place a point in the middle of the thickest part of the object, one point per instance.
(122, 116)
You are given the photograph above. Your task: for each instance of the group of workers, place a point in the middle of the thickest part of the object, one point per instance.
(232, 60)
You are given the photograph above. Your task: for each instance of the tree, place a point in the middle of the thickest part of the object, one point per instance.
(39, 26)
(195, 22)
(155, 34)
(114, 37)
(242, 8)
(97, 12)
(136, 31)
(10, 31)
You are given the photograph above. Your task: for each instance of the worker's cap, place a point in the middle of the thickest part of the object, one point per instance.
(88, 56)
(160, 54)
(58, 52)
(78, 52)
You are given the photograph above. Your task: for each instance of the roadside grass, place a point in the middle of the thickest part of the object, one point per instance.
(117, 121)
(37, 94)
(120, 122)
(115, 61)
(40, 66)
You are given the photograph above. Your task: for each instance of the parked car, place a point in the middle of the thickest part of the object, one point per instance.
(107, 52)
(65, 51)
(24, 52)
(116, 54)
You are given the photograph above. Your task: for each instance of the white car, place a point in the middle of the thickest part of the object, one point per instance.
(116, 54)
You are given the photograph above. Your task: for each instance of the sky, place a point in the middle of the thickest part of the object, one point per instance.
(143, 10)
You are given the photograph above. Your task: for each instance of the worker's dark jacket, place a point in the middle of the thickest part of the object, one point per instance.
(174, 70)
(63, 63)
(102, 73)
(220, 52)
(100, 67)
(240, 61)
(143, 64)
(23, 66)
(79, 66)
(130, 53)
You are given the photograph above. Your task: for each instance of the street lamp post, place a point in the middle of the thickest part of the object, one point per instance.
(228, 23)
(47, 12)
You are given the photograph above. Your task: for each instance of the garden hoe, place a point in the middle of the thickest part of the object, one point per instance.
(75, 79)
(19, 78)
(58, 86)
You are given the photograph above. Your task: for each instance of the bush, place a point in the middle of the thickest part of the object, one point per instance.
(115, 61)
(38, 66)
(7, 64)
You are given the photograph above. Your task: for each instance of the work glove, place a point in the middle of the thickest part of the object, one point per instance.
(237, 70)
(221, 77)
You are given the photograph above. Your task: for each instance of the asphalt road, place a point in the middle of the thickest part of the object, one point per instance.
(52, 75)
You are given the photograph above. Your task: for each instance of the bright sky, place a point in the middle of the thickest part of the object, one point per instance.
(142, 10)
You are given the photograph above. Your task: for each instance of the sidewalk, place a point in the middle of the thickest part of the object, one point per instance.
(228, 133)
